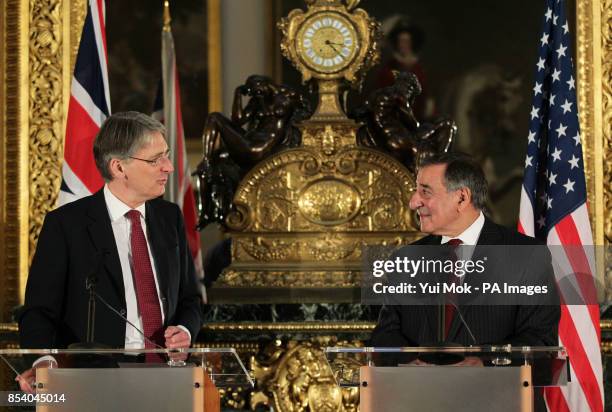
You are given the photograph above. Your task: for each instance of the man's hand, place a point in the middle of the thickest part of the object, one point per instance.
(176, 338)
(470, 361)
(27, 379)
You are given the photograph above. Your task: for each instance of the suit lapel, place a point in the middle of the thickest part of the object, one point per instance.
(158, 235)
(103, 239)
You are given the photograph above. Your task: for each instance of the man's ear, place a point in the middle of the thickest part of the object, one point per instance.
(465, 197)
(116, 168)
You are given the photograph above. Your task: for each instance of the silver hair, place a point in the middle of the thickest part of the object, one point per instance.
(461, 171)
(120, 136)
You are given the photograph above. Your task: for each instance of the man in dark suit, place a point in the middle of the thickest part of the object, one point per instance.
(126, 237)
(450, 196)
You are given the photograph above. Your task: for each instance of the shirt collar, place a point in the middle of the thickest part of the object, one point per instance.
(116, 208)
(471, 234)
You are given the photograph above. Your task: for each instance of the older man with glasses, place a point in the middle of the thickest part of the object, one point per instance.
(132, 239)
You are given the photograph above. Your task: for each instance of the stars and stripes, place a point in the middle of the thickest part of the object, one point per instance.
(89, 106)
(167, 109)
(553, 208)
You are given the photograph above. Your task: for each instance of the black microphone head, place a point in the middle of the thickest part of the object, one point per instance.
(90, 281)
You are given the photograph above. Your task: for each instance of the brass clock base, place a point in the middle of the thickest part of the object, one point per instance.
(222, 294)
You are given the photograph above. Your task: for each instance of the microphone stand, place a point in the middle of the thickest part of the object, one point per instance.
(445, 358)
(90, 286)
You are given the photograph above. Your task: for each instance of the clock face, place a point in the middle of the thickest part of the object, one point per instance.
(327, 42)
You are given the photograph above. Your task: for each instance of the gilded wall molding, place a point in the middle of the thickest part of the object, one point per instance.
(593, 75)
(606, 76)
(589, 55)
(48, 64)
(14, 152)
(78, 11)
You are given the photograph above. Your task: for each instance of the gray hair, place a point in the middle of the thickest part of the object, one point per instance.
(120, 136)
(461, 171)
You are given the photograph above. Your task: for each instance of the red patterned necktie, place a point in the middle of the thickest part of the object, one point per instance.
(449, 309)
(146, 292)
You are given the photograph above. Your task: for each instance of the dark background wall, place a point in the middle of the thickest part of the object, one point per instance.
(133, 30)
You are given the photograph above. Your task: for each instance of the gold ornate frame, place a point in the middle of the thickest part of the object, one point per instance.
(39, 39)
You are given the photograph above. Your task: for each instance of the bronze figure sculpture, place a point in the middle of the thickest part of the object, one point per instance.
(389, 123)
(233, 146)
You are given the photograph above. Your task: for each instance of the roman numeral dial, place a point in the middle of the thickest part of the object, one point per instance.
(327, 42)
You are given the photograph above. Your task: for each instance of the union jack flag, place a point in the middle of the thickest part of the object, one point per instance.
(554, 208)
(88, 108)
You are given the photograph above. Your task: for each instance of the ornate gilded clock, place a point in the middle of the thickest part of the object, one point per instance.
(329, 42)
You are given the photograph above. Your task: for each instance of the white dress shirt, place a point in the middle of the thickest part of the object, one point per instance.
(122, 229)
(469, 237)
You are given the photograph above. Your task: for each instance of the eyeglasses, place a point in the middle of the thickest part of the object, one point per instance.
(154, 162)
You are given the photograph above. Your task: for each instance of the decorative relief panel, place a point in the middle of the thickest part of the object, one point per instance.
(606, 78)
(356, 189)
(297, 378)
(46, 109)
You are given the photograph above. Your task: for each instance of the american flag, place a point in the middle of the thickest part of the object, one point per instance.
(553, 207)
(88, 108)
(167, 109)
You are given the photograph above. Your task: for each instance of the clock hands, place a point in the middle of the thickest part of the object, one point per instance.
(330, 44)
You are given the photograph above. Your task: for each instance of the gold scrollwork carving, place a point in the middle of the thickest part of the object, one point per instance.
(266, 250)
(240, 217)
(329, 202)
(328, 247)
(296, 377)
(45, 109)
(78, 12)
(294, 279)
(356, 189)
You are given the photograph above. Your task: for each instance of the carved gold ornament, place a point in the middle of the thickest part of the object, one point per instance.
(330, 41)
(296, 377)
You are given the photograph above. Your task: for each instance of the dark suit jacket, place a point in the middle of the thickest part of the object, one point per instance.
(518, 325)
(77, 241)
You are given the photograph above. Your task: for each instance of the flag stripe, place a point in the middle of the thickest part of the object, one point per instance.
(585, 235)
(78, 153)
(77, 188)
(566, 234)
(579, 360)
(80, 94)
(100, 39)
(526, 213)
(556, 399)
(88, 107)
(179, 191)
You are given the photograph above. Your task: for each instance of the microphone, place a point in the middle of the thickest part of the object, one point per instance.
(90, 286)
(463, 322)
(10, 365)
(125, 319)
